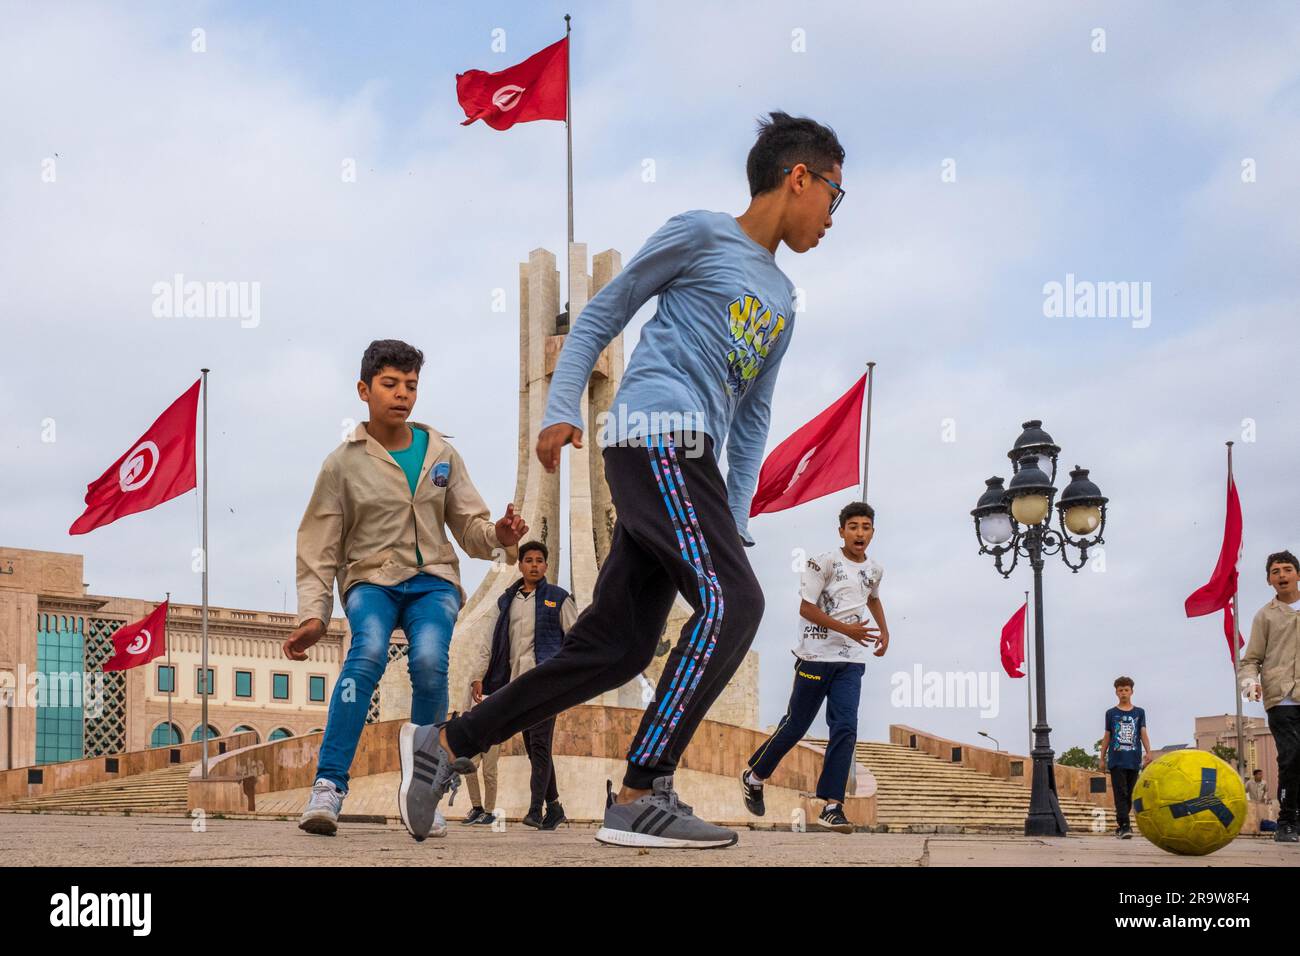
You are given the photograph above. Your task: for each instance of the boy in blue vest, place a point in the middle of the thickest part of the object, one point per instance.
(532, 618)
(700, 380)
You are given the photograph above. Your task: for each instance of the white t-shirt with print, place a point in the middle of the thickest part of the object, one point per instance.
(839, 587)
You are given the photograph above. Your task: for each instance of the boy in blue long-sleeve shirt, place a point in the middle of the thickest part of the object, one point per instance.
(700, 379)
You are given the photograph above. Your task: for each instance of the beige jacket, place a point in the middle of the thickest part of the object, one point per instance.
(1273, 653)
(522, 630)
(363, 523)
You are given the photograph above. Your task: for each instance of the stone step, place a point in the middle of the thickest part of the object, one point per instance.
(917, 790)
(160, 790)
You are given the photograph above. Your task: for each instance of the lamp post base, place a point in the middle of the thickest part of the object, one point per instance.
(1045, 816)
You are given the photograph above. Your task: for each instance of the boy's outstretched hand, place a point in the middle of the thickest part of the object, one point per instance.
(511, 529)
(304, 636)
(552, 439)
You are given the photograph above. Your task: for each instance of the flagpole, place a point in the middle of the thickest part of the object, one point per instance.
(203, 672)
(866, 445)
(568, 119)
(1029, 683)
(1236, 657)
(171, 688)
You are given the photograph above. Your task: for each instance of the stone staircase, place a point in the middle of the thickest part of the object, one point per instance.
(162, 791)
(918, 792)
(915, 792)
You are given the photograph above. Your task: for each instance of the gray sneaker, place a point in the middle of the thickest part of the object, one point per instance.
(428, 774)
(322, 813)
(659, 820)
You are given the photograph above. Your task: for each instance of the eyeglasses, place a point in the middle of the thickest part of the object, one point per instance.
(839, 190)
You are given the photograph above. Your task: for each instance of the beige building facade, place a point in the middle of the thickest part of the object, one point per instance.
(1260, 747)
(57, 703)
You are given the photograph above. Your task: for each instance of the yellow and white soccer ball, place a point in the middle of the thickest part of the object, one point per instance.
(1189, 802)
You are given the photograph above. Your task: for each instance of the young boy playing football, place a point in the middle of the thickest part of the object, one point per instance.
(837, 590)
(1270, 671)
(701, 377)
(377, 523)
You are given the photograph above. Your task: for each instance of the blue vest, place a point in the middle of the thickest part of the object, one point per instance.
(547, 633)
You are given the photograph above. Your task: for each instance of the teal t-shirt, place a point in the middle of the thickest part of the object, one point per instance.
(411, 459)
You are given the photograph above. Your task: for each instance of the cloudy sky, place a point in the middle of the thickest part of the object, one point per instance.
(991, 150)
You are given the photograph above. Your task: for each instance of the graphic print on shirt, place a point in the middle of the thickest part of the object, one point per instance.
(754, 330)
(1125, 733)
(841, 591)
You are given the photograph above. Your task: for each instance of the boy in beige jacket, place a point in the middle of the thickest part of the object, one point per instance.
(377, 524)
(1270, 669)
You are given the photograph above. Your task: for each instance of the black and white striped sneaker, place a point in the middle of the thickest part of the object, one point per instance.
(832, 818)
(753, 794)
(659, 820)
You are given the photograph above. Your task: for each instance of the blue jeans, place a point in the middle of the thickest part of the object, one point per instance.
(425, 607)
(839, 683)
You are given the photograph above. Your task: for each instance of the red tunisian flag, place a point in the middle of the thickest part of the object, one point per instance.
(141, 642)
(1013, 643)
(159, 466)
(1217, 593)
(819, 458)
(532, 90)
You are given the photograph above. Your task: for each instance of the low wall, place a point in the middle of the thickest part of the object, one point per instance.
(1073, 782)
(22, 782)
(589, 730)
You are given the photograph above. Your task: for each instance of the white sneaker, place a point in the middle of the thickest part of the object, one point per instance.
(322, 813)
(439, 825)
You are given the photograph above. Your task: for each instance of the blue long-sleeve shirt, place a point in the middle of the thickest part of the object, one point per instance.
(708, 358)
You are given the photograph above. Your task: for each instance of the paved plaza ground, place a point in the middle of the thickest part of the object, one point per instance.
(84, 840)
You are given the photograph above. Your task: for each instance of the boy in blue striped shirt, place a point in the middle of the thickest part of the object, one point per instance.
(700, 379)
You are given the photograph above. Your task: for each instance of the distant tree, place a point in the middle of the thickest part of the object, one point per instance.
(1226, 754)
(1077, 757)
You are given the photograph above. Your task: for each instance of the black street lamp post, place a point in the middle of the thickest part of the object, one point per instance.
(1016, 520)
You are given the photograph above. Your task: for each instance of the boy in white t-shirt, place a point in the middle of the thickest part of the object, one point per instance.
(837, 589)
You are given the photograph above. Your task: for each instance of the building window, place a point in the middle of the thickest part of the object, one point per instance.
(198, 682)
(243, 683)
(316, 689)
(198, 733)
(166, 679)
(245, 729)
(165, 735)
(279, 734)
(60, 660)
(280, 686)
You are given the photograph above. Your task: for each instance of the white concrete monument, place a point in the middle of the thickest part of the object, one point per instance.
(542, 327)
